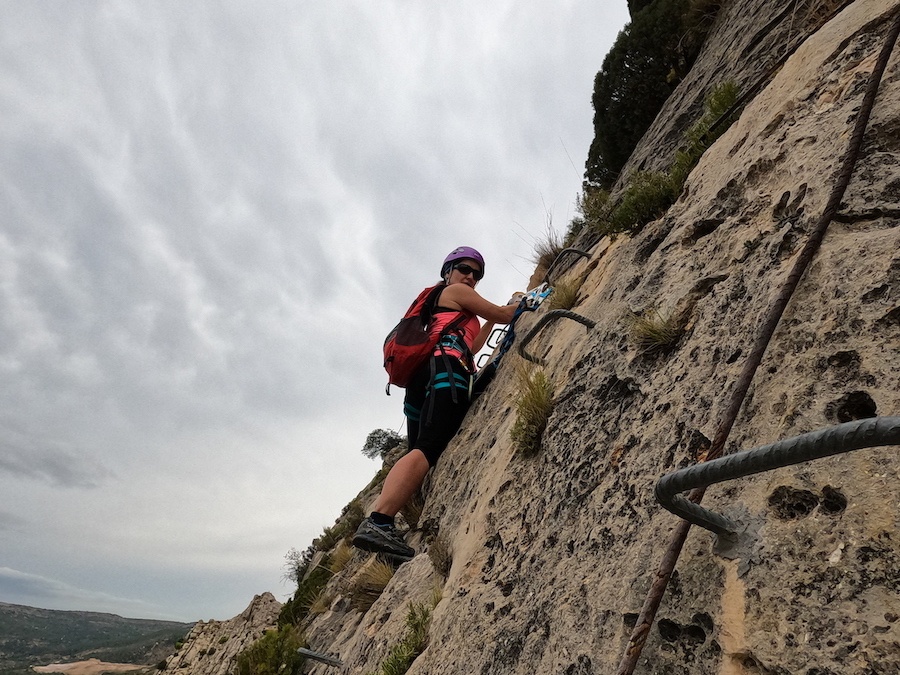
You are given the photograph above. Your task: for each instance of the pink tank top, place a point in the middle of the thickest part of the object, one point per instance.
(468, 329)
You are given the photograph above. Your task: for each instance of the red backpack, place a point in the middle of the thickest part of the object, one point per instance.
(409, 344)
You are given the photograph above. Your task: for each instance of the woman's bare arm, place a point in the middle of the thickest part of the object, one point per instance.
(461, 296)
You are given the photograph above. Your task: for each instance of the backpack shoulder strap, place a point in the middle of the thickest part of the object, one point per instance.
(430, 302)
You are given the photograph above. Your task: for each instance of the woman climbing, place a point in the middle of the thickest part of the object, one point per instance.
(438, 395)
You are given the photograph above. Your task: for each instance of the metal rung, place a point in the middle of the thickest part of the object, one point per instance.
(315, 656)
(867, 433)
(565, 251)
(553, 315)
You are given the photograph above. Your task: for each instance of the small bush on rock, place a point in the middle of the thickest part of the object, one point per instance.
(648, 194)
(275, 653)
(652, 332)
(533, 408)
(296, 609)
(414, 641)
(440, 555)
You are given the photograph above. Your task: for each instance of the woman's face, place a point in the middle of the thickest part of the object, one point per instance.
(464, 272)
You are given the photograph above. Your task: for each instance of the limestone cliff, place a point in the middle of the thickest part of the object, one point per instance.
(552, 555)
(212, 647)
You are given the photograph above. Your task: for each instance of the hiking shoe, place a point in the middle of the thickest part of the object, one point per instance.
(381, 539)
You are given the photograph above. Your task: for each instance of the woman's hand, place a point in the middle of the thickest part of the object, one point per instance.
(516, 298)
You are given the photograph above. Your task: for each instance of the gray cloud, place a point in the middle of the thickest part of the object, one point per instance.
(53, 466)
(210, 214)
(18, 587)
(11, 523)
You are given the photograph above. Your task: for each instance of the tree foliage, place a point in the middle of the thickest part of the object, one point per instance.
(379, 442)
(635, 6)
(648, 58)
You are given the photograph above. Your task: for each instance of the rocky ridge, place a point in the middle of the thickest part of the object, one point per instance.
(212, 647)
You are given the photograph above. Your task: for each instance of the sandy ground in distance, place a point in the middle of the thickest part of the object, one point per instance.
(89, 667)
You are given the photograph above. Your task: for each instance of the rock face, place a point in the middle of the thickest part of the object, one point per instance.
(212, 647)
(552, 555)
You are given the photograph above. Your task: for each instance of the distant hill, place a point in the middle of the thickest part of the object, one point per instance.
(31, 636)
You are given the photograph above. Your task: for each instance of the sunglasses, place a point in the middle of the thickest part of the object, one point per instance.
(465, 269)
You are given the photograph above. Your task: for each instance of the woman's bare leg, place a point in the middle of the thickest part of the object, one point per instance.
(404, 478)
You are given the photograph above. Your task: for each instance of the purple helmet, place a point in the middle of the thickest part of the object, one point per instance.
(459, 253)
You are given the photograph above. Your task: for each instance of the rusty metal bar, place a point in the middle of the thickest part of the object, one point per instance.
(550, 316)
(323, 658)
(867, 433)
(565, 251)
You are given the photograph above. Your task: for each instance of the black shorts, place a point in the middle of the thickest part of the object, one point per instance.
(436, 402)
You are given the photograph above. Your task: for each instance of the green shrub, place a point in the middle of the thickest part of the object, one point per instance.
(593, 207)
(700, 136)
(273, 654)
(353, 515)
(380, 442)
(533, 408)
(649, 194)
(297, 563)
(414, 641)
(329, 537)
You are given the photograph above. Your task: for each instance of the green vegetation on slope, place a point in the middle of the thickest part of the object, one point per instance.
(31, 636)
(648, 194)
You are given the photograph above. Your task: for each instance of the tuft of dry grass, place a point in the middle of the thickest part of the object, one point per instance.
(414, 641)
(652, 332)
(547, 248)
(564, 295)
(321, 603)
(440, 555)
(533, 408)
(412, 510)
(342, 555)
(368, 584)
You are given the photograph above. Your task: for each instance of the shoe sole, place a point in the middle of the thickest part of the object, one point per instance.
(373, 547)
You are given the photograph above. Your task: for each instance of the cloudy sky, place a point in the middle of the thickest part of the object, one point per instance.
(210, 214)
